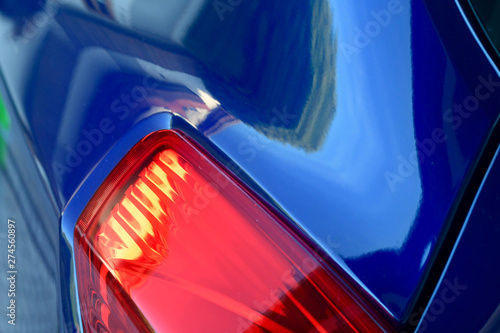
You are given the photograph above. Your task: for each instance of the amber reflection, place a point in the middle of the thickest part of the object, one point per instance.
(134, 238)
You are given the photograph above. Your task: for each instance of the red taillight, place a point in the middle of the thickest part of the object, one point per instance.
(171, 243)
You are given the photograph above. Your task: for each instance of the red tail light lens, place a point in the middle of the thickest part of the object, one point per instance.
(172, 243)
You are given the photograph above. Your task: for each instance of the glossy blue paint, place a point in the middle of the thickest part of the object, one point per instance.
(469, 286)
(321, 119)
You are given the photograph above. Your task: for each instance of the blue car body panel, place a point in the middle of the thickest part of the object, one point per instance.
(468, 295)
(319, 111)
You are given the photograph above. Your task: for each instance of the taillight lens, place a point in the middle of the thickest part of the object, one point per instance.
(172, 243)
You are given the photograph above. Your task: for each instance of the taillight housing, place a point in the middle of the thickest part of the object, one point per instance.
(172, 242)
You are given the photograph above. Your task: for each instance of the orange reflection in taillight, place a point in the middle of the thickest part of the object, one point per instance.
(173, 243)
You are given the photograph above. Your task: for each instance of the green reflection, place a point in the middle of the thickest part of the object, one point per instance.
(4, 127)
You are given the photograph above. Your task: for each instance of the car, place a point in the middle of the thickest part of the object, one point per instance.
(249, 166)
